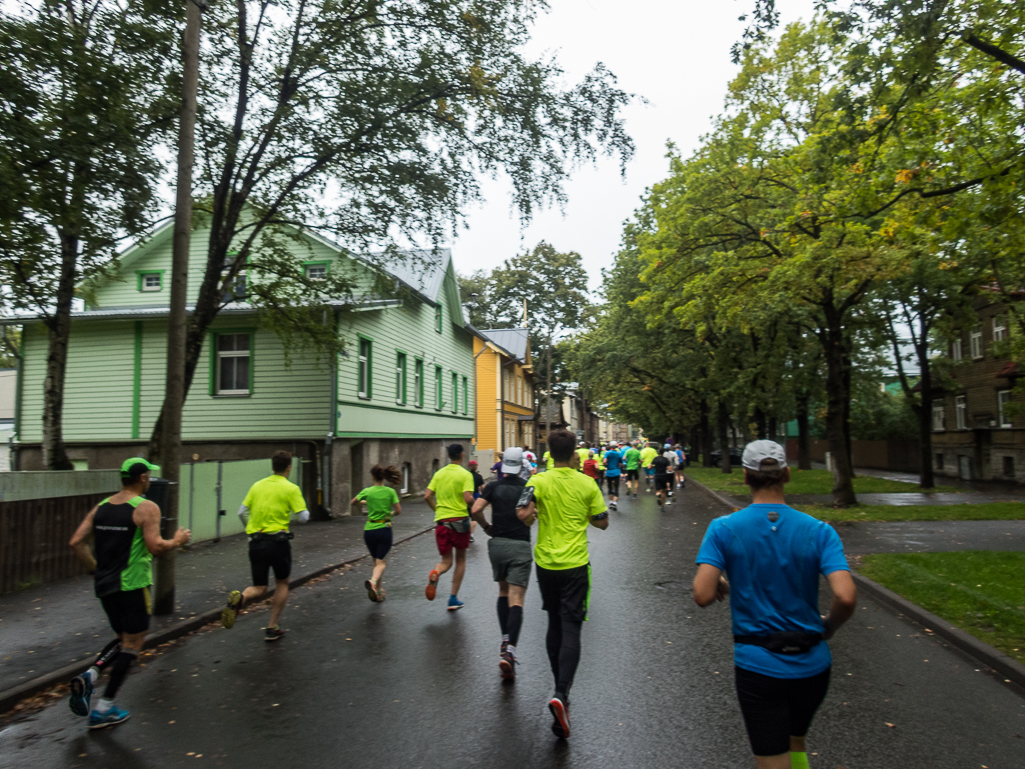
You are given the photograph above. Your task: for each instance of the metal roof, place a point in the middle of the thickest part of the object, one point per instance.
(512, 340)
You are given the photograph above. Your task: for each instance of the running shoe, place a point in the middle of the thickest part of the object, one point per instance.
(432, 585)
(560, 716)
(112, 717)
(635, 496)
(81, 694)
(613, 505)
(507, 666)
(505, 644)
(371, 590)
(454, 604)
(273, 633)
(231, 610)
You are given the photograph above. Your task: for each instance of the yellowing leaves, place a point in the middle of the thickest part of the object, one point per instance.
(905, 175)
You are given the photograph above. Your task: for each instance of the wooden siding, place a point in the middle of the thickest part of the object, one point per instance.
(285, 403)
(487, 397)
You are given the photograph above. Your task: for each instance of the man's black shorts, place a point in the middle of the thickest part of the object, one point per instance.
(633, 475)
(613, 484)
(775, 709)
(662, 482)
(567, 591)
(266, 554)
(128, 610)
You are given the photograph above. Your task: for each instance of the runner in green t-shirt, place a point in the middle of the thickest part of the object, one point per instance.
(632, 458)
(564, 502)
(450, 495)
(382, 503)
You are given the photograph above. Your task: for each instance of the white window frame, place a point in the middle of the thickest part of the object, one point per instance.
(975, 342)
(418, 383)
(311, 268)
(223, 354)
(956, 350)
(144, 281)
(401, 393)
(999, 328)
(407, 477)
(439, 403)
(939, 417)
(1003, 399)
(961, 412)
(363, 372)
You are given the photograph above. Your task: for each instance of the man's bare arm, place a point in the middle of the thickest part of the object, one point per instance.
(709, 585)
(477, 513)
(80, 541)
(430, 500)
(147, 517)
(845, 601)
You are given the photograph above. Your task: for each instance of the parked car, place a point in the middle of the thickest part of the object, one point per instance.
(735, 454)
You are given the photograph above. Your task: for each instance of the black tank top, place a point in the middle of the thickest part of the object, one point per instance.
(122, 560)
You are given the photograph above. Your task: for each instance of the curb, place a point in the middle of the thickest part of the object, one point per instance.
(11, 697)
(1007, 667)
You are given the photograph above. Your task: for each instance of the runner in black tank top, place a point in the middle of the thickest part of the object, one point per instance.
(125, 529)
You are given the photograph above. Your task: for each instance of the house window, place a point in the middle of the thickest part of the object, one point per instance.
(961, 412)
(400, 379)
(233, 364)
(316, 271)
(418, 383)
(975, 342)
(466, 393)
(1003, 401)
(455, 392)
(999, 328)
(938, 417)
(955, 350)
(407, 476)
(236, 290)
(1009, 467)
(437, 318)
(366, 363)
(150, 281)
(437, 388)
(939, 461)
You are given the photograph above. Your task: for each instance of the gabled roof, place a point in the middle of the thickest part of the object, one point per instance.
(421, 270)
(512, 340)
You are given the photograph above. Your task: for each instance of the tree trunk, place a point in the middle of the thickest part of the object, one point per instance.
(773, 429)
(760, 422)
(169, 443)
(59, 326)
(724, 440)
(706, 436)
(847, 432)
(839, 396)
(803, 433)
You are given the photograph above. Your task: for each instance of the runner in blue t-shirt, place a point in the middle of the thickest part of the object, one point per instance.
(613, 472)
(773, 556)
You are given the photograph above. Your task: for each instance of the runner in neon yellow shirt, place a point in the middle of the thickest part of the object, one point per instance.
(450, 496)
(648, 453)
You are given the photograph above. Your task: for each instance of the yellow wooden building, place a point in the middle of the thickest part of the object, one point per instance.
(505, 389)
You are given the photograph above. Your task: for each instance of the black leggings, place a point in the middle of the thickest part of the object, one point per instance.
(563, 642)
(613, 483)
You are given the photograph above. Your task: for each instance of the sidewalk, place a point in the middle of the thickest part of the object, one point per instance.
(49, 627)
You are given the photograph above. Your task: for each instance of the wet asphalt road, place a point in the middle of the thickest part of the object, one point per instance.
(406, 683)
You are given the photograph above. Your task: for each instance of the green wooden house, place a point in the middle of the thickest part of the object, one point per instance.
(402, 390)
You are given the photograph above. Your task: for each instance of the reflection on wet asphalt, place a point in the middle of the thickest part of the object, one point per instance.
(407, 684)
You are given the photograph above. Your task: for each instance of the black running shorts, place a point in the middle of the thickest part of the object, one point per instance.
(776, 709)
(128, 610)
(662, 482)
(266, 554)
(378, 542)
(567, 591)
(633, 475)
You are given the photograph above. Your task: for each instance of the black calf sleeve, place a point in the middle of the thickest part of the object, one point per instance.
(118, 671)
(515, 623)
(503, 614)
(553, 643)
(569, 656)
(109, 652)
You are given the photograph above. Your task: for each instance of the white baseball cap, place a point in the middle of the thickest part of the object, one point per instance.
(512, 460)
(764, 456)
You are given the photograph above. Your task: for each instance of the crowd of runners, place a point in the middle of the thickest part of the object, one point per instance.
(771, 554)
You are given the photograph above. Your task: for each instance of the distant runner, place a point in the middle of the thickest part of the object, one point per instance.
(681, 467)
(632, 457)
(450, 496)
(590, 468)
(613, 472)
(382, 504)
(564, 502)
(662, 468)
(509, 552)
(648, 453)
(125, 529)
(773, 556)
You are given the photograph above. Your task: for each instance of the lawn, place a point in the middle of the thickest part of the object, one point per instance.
(980, 591)
(989, 511)
(802, 482)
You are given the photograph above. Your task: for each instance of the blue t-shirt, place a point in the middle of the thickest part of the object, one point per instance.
(773, 569)
(613, 464)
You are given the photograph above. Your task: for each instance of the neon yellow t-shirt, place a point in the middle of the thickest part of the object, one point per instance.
(583, 454)
(565, 501)
(549, 462)
(271, 502)
(648, 454)
(448, 485)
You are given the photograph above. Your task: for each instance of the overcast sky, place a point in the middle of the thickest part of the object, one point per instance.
(674, 53)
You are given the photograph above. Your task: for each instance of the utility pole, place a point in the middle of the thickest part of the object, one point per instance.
(169, 452)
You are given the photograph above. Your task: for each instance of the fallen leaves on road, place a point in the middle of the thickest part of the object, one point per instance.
(892, 726)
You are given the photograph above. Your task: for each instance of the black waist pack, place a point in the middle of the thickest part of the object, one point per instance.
(277, 536)
(788, 642)
(459, 525)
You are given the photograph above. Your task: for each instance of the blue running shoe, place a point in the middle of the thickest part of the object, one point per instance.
(112, 717)
(81, 694)
(454, 604)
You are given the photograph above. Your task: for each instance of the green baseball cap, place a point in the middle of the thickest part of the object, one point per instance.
(132, 463)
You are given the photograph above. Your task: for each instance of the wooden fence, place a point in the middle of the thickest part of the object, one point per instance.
(898, 456)
(34, 535)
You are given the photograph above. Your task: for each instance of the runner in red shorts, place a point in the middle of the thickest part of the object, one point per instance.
(450, 495)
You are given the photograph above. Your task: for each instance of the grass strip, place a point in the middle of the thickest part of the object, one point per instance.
(986, 511)
(804, 482)
(980, 591)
